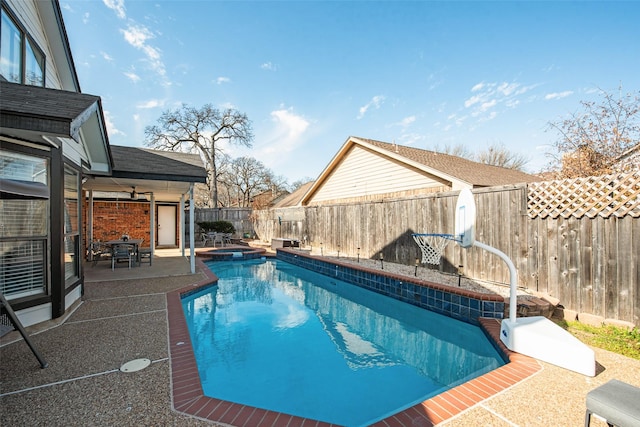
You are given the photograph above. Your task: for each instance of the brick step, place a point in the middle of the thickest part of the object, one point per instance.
(529, 306)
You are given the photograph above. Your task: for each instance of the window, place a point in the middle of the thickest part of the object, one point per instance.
(71, 229)
(24, 224)
(21, 61)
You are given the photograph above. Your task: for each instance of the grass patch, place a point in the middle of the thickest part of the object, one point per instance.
(618, 340)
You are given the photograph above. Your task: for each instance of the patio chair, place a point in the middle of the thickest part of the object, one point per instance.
(226, 238)
(205, 238)
(122, 253)
(98, 252)
(217, 238)
(145, 255)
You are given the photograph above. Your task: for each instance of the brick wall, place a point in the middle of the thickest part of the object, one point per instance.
(113, 219)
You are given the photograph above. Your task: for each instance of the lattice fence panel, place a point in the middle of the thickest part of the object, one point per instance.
(607, 195)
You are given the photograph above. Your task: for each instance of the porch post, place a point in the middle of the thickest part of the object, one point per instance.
(181, 224)
(152, 226)
(90, 224)
(192, 244)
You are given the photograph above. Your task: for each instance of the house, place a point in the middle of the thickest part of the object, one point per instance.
(629, 160)
(365, 169)
(293, 198)
(54, 150)
(51, 135)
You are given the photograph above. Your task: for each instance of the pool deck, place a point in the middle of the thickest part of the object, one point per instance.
(129, 314)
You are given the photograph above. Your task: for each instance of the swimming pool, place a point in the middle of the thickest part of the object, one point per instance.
(279, 337)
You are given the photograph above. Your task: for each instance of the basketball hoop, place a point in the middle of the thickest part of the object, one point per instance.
(432, 246)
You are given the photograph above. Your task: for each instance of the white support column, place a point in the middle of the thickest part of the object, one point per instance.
(192, 245)
(90, 224)
(183, 244)
(152, 226)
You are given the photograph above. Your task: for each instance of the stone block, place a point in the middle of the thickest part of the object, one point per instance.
(619, 324)
(590, 319)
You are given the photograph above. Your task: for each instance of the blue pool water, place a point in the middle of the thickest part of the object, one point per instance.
(278, 337)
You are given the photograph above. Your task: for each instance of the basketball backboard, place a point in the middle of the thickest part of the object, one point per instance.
(465, 231)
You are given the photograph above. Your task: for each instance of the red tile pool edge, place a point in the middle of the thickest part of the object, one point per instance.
(187, 396)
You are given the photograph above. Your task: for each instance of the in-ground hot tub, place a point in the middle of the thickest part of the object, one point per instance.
(232, 253)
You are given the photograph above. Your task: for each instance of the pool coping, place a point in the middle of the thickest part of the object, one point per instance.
(187, 396)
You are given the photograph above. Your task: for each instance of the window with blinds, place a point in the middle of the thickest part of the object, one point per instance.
(22, 272)
(24, 225)
(71, 226)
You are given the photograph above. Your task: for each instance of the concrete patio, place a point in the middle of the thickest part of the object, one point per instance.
(123, 317)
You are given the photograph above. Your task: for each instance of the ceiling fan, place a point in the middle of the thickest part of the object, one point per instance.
(135, 195)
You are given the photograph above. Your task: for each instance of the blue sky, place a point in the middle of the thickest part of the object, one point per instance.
(309, 74)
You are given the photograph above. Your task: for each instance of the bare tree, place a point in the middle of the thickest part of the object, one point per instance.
(299, 183)
(245, 178)
(498, 155)
(458, 150)
(189, 129)
(591, 140)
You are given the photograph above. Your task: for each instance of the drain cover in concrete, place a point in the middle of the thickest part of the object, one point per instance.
(135, 365)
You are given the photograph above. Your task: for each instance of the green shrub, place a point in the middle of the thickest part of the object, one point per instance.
(217, 227)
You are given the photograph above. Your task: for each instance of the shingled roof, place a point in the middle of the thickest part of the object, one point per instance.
(294, 198)
(41, 114)
(474, 173)
(366, 169)
(42, 109)
(136, 162)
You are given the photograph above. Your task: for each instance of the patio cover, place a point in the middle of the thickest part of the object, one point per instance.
(166, 174)
(163, 176)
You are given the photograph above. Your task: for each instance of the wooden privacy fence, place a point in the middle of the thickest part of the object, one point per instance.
(576, 240)
(239, 217)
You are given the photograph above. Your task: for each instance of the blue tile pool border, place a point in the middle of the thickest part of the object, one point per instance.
(461, 304)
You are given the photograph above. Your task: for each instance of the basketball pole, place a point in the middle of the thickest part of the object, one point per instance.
(513, 277)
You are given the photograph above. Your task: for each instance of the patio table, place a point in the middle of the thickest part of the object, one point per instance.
(134, 242)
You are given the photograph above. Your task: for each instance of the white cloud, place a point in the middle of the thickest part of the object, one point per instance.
(132, 76)
(507, 89)
(487, 97)
(289, 128)
(558, 95)
(487, 105)
(287, 134)
(408, 120)
(477, 87)
(221, 80)
(85, 18)
(473, 100)
(138, 37)
(152, 103)
(375, 102)
(117, 6)
(405, 122)
(111, 127)
(268, 66)
(512, 103)
(106, 56)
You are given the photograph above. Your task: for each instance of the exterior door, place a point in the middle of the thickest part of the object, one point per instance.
(166, 226)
